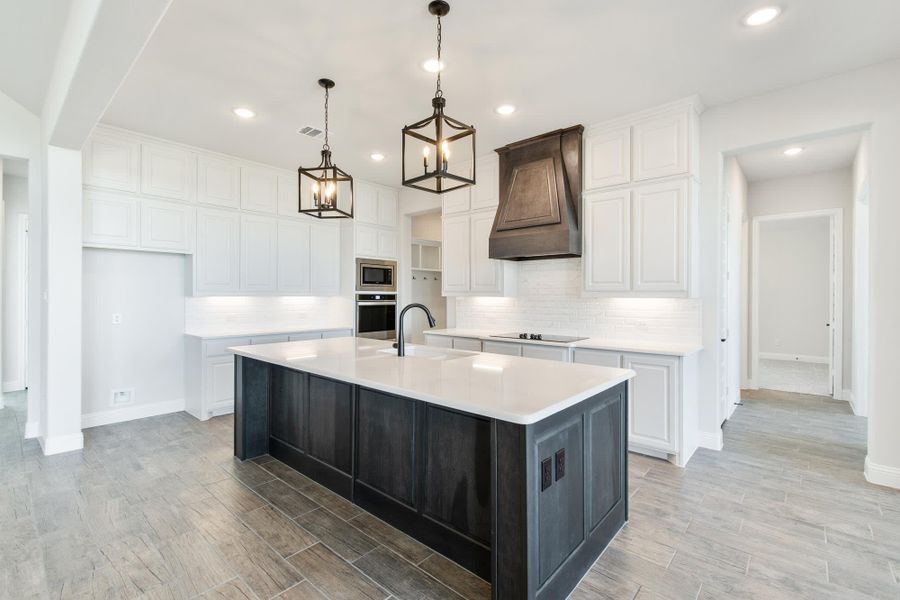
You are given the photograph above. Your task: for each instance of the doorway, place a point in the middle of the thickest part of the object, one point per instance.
(425, 274)
(14, 277)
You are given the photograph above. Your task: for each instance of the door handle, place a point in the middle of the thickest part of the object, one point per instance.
(827, 324)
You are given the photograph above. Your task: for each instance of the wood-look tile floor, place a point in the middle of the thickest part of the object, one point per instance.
(158, 509)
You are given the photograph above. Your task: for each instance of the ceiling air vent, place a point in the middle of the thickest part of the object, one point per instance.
(313, 132)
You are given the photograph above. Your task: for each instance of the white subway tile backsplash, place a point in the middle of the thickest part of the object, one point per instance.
(202, 313)
(550, 299)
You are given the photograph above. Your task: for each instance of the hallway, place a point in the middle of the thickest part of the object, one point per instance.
(156, 508)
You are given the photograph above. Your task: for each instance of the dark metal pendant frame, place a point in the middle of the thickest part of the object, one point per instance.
(458, 131)
(323, 175)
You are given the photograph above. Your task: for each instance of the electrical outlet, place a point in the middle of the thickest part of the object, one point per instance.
(560, 464)
(122, 397)
(546, 473)
(117, 318)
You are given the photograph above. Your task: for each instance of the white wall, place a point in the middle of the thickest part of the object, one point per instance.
(863, 98)
(860, 389)
(427, 227)
(550, 299)
(289, 312)
(794, 273)
(828, 189)
(15, 199)
(145, 352)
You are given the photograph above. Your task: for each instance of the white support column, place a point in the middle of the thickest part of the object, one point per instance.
(61, 417)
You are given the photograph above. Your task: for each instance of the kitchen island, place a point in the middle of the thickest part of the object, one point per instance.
(515, 468)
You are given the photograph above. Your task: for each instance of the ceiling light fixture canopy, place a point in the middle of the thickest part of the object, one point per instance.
(429, 144)
(326, 192)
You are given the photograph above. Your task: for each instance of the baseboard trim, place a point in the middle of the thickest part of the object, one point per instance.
(750, 384)
(711, 441)
(882, 474)
(12, 386)
(130, 413)
(32, 430)
(57, 444)
(794, 357)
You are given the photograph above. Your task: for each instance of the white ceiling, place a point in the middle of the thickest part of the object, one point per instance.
(30, 32)
(561, 63)
(824, 154)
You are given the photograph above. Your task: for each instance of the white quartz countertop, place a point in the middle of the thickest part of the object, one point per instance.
(509, 388)
(228, 331)
(670, 348)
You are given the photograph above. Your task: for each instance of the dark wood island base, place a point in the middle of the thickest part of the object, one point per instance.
(527, 507)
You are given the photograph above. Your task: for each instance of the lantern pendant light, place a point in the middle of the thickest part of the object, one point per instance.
(439, 151)
(326, 192)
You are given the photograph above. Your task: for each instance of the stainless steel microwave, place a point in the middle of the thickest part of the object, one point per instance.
(376, 275)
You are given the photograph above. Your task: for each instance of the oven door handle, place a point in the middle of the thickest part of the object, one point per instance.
(385, 303)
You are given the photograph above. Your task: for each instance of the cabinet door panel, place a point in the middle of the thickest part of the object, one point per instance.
(607, 241)
(457, 492)
(661, 147)
(440, 341)
(220, 385)
(470, 344)
(652, 401)
(168, 172)
(486, 275)
(601, 358)
(259, 247)
(486, 192)
(167, 225)
(660, 237)
(288, 407)
(365, 204)
(218, 253)
(110, 219)
(337, 333)
(293, 257)
(112, 162)
(387, 244)
(330, 432)
(289, 196)
(501, 348)
(545, 352)
(607, 158)
(386, 447)
(456, 246)
(387, 207)
(608, 477)
(259, 190)
(218, 182)
(456, 201)
(325, 265)
(366, 241)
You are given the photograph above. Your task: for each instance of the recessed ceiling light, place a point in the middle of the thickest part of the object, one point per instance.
(762, 16)
(793, 151)
(244, 113)
(433, 65)
(377, 156)
(505, 109)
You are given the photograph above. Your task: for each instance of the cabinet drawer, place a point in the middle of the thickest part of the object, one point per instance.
(601, 358)
(545, 352)
(220, 347)
(337, 333)
(269, 339)
(471, 344)
(501, 348)
(439, 341)
(309, 335)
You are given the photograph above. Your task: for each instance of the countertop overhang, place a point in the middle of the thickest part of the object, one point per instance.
(509, 388)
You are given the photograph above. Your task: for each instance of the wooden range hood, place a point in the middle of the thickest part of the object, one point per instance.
(539, 215)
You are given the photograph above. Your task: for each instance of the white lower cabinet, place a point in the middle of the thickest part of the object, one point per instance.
(209, 368)
(600, 358)
(441, 341)
(557, 353)
(508, 348)
(470, 344)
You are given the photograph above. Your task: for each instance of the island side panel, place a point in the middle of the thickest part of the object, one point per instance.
(251, 408)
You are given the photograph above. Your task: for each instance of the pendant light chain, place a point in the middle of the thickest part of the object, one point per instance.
(326, 146)
(438, 92)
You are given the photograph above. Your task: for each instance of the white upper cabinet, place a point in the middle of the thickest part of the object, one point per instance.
(112, 162)
(607, 158)
(486, 276)
(661, 146)
(366, 241)
(456, 201)
(387, 207)
(259, 190)
(659, 231)
(486, 192)
(293, 257)
(168, 172)
(289, 196)
(387, 244)
(365, 203)
(110, 219)
(607, 249)
(456, 247)
(167, 226)
(259, 247)
(325, 259)
(216, 261)
(218, 182)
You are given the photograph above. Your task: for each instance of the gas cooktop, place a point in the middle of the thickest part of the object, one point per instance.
(540, 337)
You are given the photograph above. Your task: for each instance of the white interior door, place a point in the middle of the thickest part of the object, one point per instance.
(724, 270)
(832, 304)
